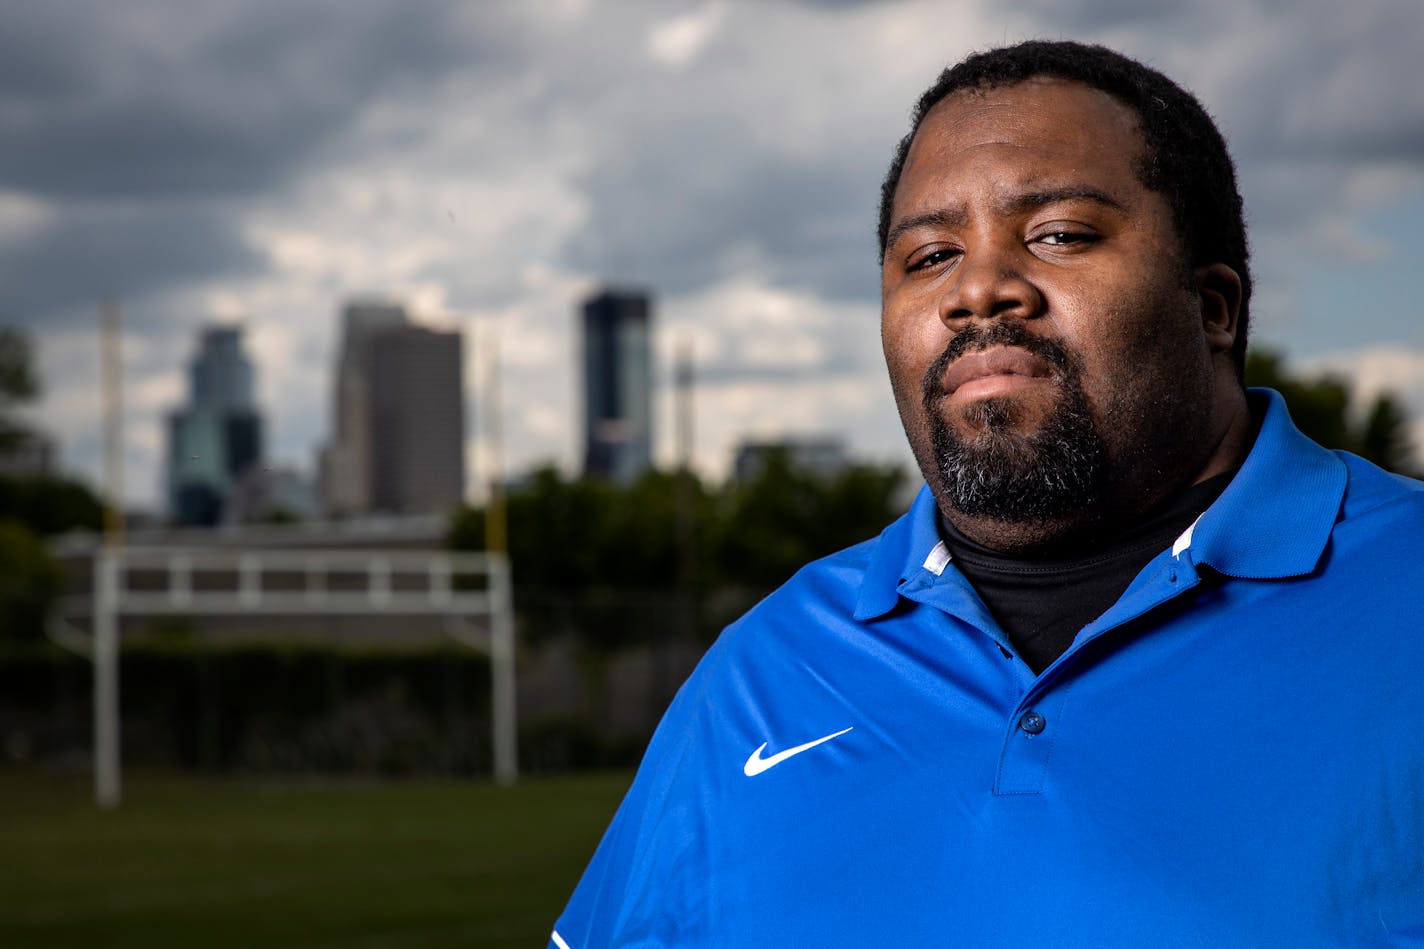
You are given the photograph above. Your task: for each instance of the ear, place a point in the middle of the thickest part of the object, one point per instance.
(1219, 289)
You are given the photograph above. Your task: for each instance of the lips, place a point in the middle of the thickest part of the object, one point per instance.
(995, 361)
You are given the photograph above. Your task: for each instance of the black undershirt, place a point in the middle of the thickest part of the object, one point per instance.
(1041, 604)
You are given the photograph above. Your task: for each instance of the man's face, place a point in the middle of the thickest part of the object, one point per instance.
(1041, 326)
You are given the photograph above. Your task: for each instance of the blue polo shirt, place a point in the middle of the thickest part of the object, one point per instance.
(1231, 755)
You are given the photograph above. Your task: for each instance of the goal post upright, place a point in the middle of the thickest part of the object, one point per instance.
(504, 713)
(108, 789)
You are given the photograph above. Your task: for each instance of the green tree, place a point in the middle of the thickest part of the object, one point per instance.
(1384, 437)
(29, 582)
(19, 383)
(590, 556)
(1324, 408)
(587, 534)
(775, 523)
(31, 507)
(50, 505)
(607, 561)
(44, 504)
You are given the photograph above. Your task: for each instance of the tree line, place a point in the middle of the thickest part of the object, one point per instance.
(616, 564)
(668, 545)
(622, 564)
(1327, 409)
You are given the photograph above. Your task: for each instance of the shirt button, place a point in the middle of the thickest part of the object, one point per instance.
(1032, 722)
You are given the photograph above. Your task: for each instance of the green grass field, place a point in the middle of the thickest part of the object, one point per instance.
(211, 863)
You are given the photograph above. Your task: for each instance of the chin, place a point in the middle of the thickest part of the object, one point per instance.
(996, 415)
(998, 460)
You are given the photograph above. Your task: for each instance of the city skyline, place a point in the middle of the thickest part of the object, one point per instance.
(492, 164)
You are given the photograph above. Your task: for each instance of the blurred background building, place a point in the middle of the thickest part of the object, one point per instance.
(824, 457)
(217, 437)
(398, 426)
(617, 377)
(272, 494)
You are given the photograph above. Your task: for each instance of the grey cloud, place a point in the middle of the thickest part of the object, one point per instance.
(838, 4)
(141, 125)
(1297, 80)
(839, 364)
(801, 227)
(1090, 15)
(162, 100)
(693, 200)
(128, 251)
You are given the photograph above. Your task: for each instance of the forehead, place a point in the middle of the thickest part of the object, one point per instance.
(1039, 131)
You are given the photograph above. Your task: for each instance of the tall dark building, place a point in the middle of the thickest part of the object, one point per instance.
(398, 440)
(417, 414)
(217, 437)
(617, 384)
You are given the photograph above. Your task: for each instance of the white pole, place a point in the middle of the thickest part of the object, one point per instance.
(111, 371)
(106, 565)
(107, 790)
(505, 712)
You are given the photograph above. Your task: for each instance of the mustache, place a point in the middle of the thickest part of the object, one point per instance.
(975, 337)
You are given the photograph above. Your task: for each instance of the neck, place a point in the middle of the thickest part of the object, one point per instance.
(1040, 537)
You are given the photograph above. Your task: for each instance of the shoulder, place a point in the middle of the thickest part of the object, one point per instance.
(1377, 500)
(1372, 569)
(830, 583)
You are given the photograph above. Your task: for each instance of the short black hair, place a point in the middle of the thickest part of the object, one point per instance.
(1186, 159)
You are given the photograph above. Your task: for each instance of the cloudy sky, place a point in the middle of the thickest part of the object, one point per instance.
(490, 163)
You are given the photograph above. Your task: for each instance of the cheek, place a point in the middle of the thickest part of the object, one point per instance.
(1137, 350)
(908, 354)
(911, 333)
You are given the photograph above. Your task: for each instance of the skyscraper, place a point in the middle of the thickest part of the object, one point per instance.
(617, 377)
(398, 436)
(346, 463)
(217, 436)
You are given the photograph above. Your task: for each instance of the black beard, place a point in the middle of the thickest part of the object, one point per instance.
(1004, 476)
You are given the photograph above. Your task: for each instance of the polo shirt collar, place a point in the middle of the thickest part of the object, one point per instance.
(1273, 520)
(909, 547)
(1275, 517)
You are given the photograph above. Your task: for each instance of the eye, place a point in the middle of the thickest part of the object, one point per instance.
(1065, 238)
(933, 258)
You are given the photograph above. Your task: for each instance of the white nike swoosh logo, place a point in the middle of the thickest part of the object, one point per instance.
(756, 764)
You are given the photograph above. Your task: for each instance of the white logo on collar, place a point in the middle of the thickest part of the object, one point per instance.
(1185, 540)
(756, 764)
(938, 559)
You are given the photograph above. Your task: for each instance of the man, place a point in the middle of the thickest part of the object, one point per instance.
(1136, 669)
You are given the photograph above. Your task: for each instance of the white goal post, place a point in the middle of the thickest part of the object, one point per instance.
(242, 582)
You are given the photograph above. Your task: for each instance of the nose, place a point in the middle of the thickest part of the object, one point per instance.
(990, 283)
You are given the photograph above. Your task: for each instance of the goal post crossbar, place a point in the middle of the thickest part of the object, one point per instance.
(180, 581)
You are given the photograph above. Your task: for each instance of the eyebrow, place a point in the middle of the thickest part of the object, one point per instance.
(958, 215)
